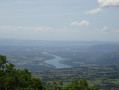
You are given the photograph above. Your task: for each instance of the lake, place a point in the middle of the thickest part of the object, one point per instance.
(56, 61)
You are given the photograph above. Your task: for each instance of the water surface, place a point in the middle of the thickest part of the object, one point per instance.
(56, 62)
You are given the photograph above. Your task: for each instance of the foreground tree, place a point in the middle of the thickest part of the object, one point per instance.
(75, 84)
(12, 79)
(78, 84)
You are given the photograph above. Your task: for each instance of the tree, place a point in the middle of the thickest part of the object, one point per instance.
(75, 84)
(54, 85)
(3, 61)
(78, 84)
(12, 79)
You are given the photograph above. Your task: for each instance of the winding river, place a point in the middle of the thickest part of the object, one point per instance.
(56, 61)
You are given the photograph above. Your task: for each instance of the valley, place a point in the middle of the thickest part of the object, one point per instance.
(97, 62)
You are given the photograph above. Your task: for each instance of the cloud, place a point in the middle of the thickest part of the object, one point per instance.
(94, 11)
(23, 28)
(38, 29)
(82, 23)
(109, 3)
(104, 29)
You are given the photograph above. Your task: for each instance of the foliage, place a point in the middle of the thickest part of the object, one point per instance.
(78, 84)
(12, 79)
(54, 85)
(15, 79)
(75, 84)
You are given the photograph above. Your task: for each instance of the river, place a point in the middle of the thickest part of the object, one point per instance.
(56, 61)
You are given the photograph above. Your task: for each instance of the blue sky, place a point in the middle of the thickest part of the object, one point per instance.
(75, 20)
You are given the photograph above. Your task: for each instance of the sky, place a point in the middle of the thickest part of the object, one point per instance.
(72, 20)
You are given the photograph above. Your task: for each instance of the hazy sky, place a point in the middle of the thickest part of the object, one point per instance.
(60, 19)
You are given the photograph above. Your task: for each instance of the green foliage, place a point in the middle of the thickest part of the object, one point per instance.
(75, 84)
(12, 79)
(54, 85)
(15, 79)
(2, 61)
(78, 84)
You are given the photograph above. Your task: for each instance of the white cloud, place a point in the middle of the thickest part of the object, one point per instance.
(94, 11)
(104, 29)
(110, 3)
(23, 28)
(82, 23)
(38, 29)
